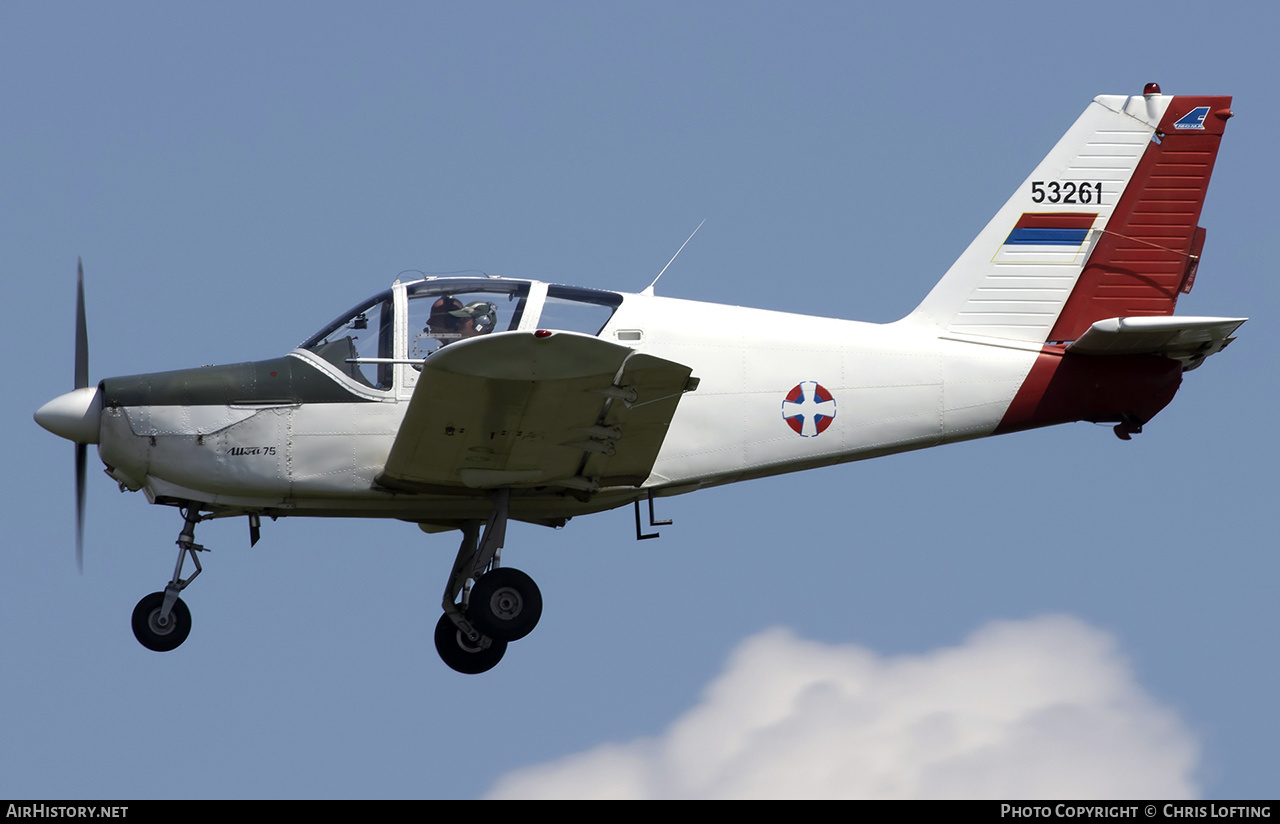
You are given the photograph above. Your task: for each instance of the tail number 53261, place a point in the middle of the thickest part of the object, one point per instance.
(1068, 192)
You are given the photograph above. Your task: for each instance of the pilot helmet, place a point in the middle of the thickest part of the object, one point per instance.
(442, 309)
(484, 314)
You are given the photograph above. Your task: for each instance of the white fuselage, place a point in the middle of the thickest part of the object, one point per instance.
(1102, 236)
(888, 388)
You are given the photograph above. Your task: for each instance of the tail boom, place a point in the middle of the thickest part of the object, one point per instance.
(1063, 387)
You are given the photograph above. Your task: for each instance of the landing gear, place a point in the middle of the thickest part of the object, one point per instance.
(464, 655)
(161, 621)
(1127, 428)
(157, 631)
(485, 605)
(505, 604)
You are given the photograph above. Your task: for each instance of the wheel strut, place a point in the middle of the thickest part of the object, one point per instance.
(486, 606)
(186, 546)
(161, 620)
(478, 552)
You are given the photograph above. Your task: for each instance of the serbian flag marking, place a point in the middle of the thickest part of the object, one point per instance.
(1047, 237)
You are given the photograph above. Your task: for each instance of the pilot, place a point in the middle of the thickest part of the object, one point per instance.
(476, 318)
(450, 320)
(441, 323)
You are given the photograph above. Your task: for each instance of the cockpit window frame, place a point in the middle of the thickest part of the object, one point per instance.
(397, 368)
(581, 295)
(340, 320)
(418, 297)
(512, 288)
(383, 305)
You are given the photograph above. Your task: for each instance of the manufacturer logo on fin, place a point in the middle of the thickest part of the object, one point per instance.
(1193, 119)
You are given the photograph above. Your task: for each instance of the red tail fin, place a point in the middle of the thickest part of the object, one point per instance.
(1150, 247)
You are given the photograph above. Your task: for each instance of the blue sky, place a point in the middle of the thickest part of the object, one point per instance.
(236, 175)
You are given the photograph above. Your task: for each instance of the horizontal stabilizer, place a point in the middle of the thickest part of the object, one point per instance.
(1187, 339)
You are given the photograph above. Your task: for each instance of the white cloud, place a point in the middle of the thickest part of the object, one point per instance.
(1042, 708)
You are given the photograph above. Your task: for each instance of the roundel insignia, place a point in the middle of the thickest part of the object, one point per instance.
(808, 409)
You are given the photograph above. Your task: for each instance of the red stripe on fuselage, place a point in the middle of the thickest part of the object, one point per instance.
(1062, 388)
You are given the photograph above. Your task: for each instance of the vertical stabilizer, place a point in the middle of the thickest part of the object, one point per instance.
(1105, 227)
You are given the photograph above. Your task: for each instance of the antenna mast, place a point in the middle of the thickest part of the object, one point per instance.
(649, 289)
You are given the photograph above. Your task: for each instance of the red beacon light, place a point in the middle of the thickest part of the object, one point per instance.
(1151, 88)
(542, 333)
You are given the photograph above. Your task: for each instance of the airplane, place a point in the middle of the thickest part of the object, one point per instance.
(461, 403)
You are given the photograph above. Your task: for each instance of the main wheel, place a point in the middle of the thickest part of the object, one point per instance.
(460, 654)
(157, 635)
(505, 604)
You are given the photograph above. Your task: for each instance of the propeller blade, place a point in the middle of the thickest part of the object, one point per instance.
(82, 381)
(82, 332)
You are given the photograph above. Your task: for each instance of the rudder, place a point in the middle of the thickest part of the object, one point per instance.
(1150, 249)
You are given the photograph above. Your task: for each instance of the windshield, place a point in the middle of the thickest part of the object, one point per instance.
(441, 312)
(362, 345)
(364, 332)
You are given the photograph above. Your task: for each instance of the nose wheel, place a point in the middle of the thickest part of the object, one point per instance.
(161, 621)
(157, 630)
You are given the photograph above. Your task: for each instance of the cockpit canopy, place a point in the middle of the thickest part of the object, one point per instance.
(365, 344)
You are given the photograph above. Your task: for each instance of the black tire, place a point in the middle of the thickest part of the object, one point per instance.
(148, 630)
(463, 656)
(505, 604)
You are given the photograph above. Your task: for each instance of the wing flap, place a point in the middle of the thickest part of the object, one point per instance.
(522, 410)
(658, 385)
(1187, 339)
